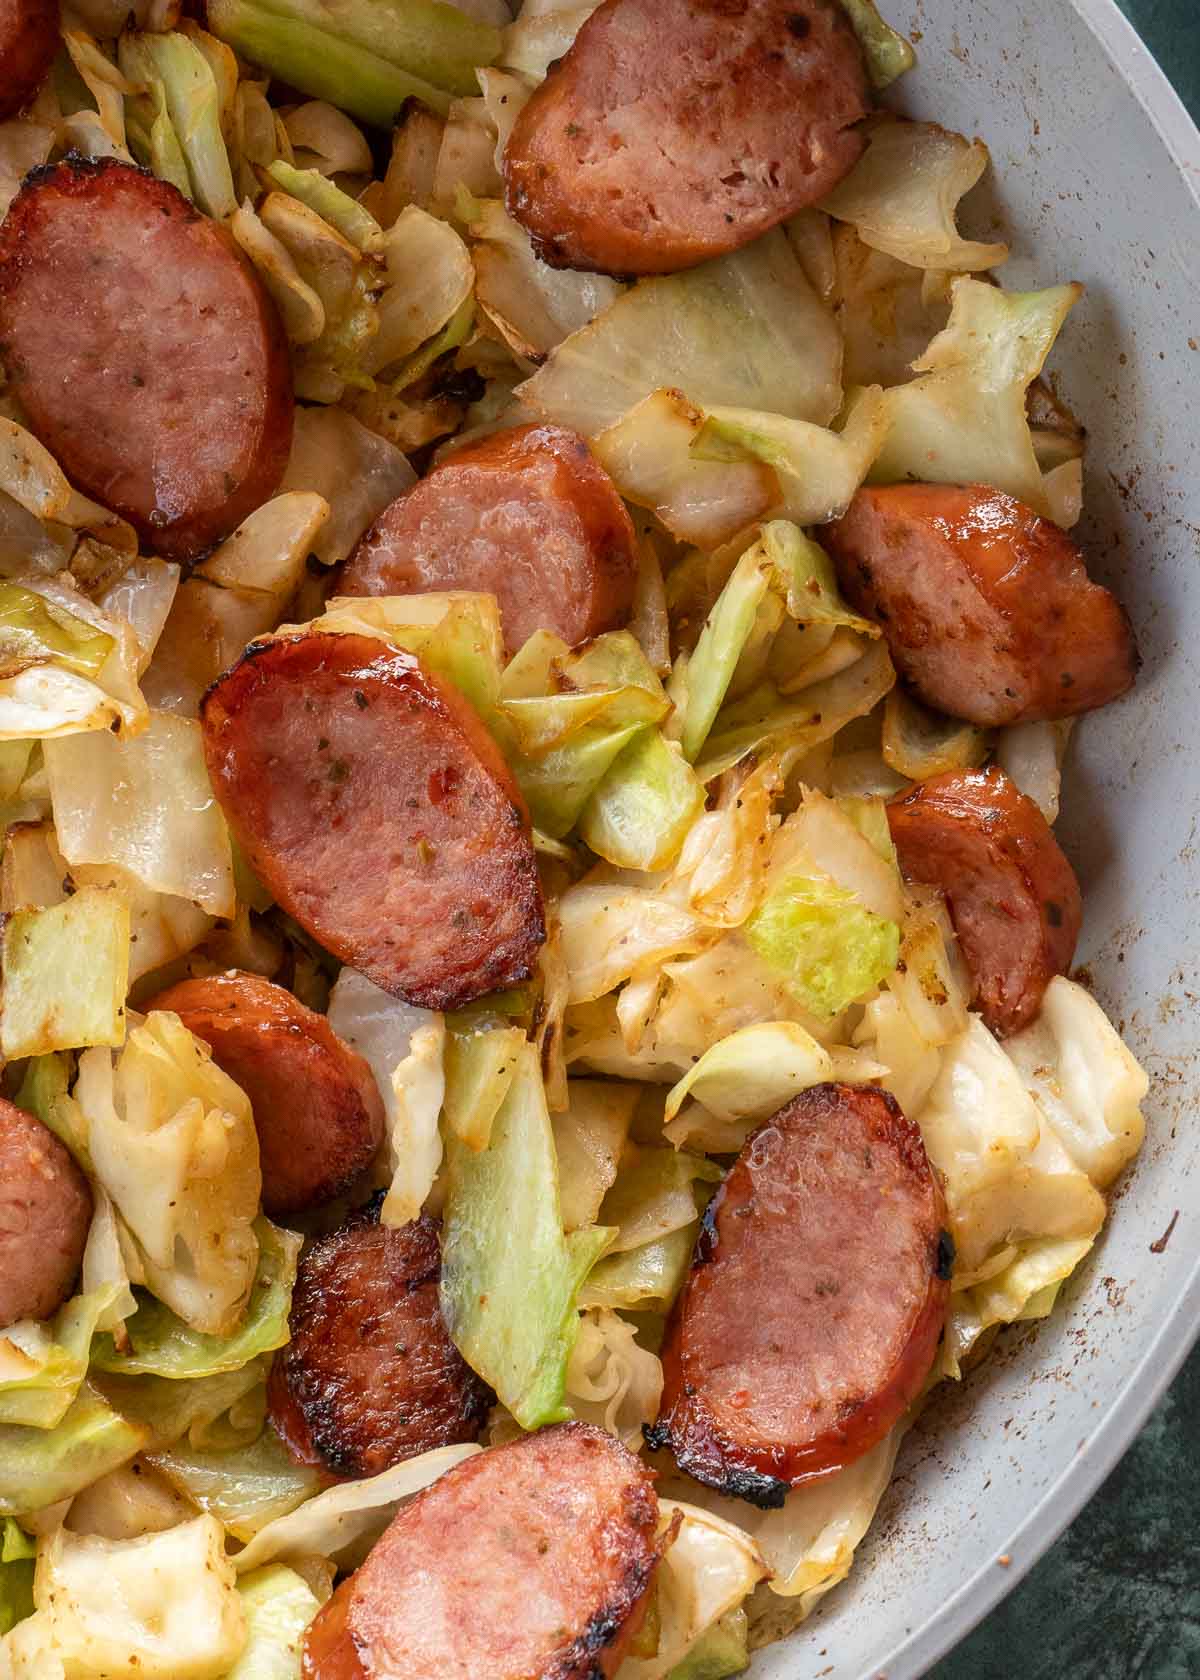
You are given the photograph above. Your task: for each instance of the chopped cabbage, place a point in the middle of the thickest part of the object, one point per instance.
(38, 1467)
(644, 805)
(963, 421)
(649, 454)
(66, 664)
(541, 35)
(162, 925)
(327, 200)
(752, 1073)
(887, 310)
(828, 947)
(612, 1381)
(919, 743)
(1087, 1085)
(129, 1501)
(278, 1605)
(346, 1519)
(142, 595)
(146, 804)
(745, 329)
(720, 1651)
(609, 931)
(244, 1487)
(66, 973)
(163, 1606)
(533, 305)
(17, 1552)
(648, 1278)
(509, 1276)
(192, 103)
(404, 1047)
(1007, 1177)
(43, 1364)
(335, 145)
(479, 1070)
(817, 469)
(724, 856)
(354, 470)
(173, 1143)
(162, 1345)
(456, 635)
(1031, 756)
(24, 144)
(825, 837)
(902, 194)
(657, 1191)
(430, 278)
(589, 1138)
(215, 1413)
(931, 982)
(709, 1569)
(887, 54)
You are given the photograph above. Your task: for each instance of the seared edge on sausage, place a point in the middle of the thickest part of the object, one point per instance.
(987, 607)
(530, 1561)
(378, 810)
(317, 1108)
(675, 130)
(528, 515)
(816, 1298)
(1012, 895)
(28, 43)
(145, 351)
(370, 1376)
(45, 1212)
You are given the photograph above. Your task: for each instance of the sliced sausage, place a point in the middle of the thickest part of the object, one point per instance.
(674, 130)
(28, 43)
(526, 515)
(987, 607)
(377, 809)
(1011, 893)
(45, 1212)
(531, 1561)
(370, 1376)
(317, 1108)
(815, 1300)
(144, 350)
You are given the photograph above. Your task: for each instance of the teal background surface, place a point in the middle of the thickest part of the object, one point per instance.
(1118, 1597)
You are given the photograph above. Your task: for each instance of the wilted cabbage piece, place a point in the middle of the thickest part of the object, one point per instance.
(278, 1605)
(455, 634)
(344, 1521)
(647, 1278)
(532, 305)
(244, 1487)
(708, 1571)
(963, 421)
(887, 53)
(66, 973)
(1084, 1080)
(162, 1345)
(751, 1074)
(657, 1191)
(509, 1276)
(903, 192)
(17, 1552)
(163, 1605)
(192, 102)
(613, 1381)
(919, 743)
(355, 470)
(144, 803)
(826, 946)
(38, 1467)
(1007, 1177)
(173, 1142)
(745, 329)
(589, 1140)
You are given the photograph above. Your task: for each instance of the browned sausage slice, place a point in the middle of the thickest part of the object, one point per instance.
(145, 351)
(317, 1108)
(531, 1561)
(815, 1301)
(45, 1212)
(674, 130)
(1011, 893)
(370, 1376)
(28, 43)
(376, 807)
(988, 609)
(526, 515)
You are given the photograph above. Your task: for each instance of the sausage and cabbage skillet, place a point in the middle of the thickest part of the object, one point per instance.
(540, 629)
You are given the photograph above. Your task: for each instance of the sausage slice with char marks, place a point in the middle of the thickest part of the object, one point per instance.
(1011, 893)
(378, 810)
(45, 1212)
(317, 1108)
(815, 1301)
(530, 1561)
(370, 1376)
(675, 130)
(527, 515)
(28, 43)
(145, 351)
(987, 607)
